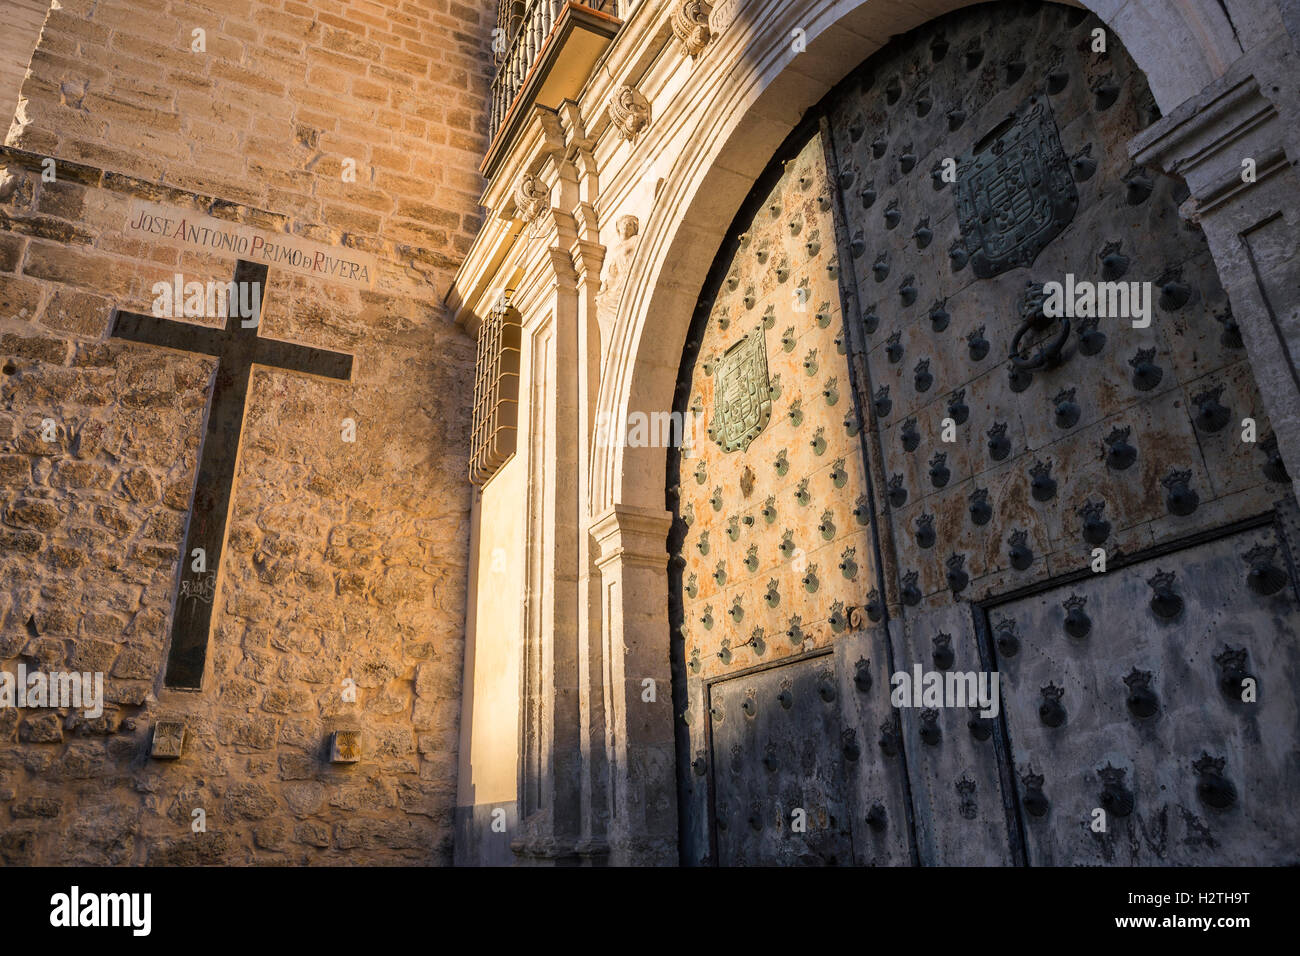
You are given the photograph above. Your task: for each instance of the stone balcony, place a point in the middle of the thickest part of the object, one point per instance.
(551, 47)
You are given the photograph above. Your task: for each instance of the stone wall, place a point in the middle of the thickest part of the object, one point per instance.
(344, 560)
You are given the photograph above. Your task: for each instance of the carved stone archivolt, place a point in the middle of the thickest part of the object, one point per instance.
(629, 111)
(691, 25)
(532, 197)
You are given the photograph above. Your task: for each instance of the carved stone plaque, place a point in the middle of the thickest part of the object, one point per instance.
(743, 400)
(168, 740)
(345, 746)
(1014, 191)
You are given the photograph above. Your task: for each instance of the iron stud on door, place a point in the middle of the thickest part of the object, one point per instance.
(1142, 701)
(1034, 800)
(1116, 799)
(1213, 788)
(1051, 711)
(1265, 578)
(1077, 623)
(957, 576)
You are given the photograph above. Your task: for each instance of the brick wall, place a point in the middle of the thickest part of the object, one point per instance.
(344, 560)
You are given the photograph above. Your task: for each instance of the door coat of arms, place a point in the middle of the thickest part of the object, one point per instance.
(742, 396)
(1015, 193)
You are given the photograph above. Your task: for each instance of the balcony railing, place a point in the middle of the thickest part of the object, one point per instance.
(533, 38)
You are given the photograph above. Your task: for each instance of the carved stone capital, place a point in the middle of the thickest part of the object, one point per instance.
(632, 535)
(1205, 139)
(629, 111)
(690, 22)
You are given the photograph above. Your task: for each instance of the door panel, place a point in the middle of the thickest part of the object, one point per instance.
(1039, 470)
(1094, 386)
(876, 781)
(788, 806)
(1145, 695)
(960, 815)
(772, 545)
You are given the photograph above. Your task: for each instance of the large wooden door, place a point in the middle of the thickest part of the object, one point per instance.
(1087, 508)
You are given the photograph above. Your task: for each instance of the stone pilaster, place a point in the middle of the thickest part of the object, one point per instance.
(551, 827)
(633, 565)
(588, 255)
(1235, 144)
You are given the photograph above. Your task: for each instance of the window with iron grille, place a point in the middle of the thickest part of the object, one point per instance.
(496, 392)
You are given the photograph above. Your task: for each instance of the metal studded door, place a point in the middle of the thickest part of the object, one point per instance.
(1154, 721)
(790, 805)
(1056, 389)
(1059, 424)
(771, 544)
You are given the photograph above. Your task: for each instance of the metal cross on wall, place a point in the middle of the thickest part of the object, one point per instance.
(237, 348)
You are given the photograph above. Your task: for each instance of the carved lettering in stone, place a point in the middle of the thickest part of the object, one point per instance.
(742, 400)
(1015, 193)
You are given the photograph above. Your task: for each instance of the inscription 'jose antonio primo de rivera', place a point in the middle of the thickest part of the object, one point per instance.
(185, 227)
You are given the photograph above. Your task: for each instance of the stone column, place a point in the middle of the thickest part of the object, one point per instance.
(1248, 211)
(633, 565)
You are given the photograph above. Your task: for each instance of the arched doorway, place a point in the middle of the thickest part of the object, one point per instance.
(951, 522)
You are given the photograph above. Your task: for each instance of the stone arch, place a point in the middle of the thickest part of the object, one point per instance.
(1180, 46)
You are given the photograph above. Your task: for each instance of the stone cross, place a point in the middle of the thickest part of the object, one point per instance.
(237, 348)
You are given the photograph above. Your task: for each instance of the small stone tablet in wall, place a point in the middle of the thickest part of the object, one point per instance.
(168, 740)
(345, 746)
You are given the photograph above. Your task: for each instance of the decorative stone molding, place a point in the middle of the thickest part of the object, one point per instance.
(722, 14)
(690, 22)
(532, 198)
(1205, 139)
(633, 569)
(629, 111)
